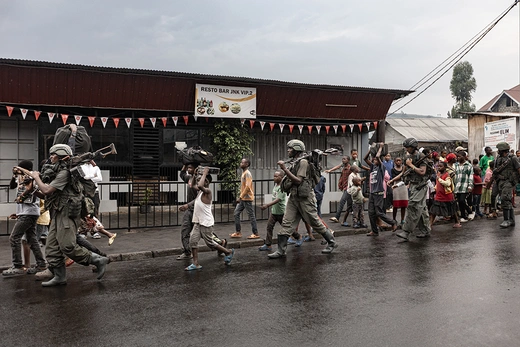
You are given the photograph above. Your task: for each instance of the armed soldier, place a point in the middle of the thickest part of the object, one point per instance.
(64, 196)
(505, 174)
(302, 201)
(417, 178)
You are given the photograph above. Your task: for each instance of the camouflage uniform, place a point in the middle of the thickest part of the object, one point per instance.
(506, 176)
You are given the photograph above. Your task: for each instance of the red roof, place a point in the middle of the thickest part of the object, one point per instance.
(513, 93)
(34, 83)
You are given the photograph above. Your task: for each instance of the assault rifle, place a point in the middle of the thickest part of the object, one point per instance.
(410, 170)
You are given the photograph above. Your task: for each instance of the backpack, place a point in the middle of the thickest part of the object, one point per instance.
(304, 189)
(195, 154)
(79, 144)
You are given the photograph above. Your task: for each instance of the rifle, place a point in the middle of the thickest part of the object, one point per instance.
(410, 170)
(496, 172)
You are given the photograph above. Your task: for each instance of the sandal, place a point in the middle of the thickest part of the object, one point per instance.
(236, 235)
(69, 262)
(193, 267)
(308, 239)
(252, 236)
(457, 225)
(111, 240)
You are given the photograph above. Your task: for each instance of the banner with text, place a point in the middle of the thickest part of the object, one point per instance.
(500, 131)
(225, 102)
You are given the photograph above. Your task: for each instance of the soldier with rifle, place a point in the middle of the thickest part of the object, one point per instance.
(505, 174)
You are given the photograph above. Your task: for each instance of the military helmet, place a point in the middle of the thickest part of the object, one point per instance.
(410, 142)
(503, 146)
(61, 150)
(297, 145)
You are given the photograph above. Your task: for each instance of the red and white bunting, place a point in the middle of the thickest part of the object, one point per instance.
(368, 125)
(37, 114)
(281, 127)
(207, 119)
(116, 121)
(91, 120)
(252, 123)
(104, 121)
(186, 119)
(351, 127)
(196, 117)
(64, 118)
(335, 129)
(164, 121)
(153, 120)
(24, 112)
(344, 128)
(271, 125)
(309, 127)
(175, 120)
(375, 125)
(300, 127)
(77, 118)
(360, 127)
(242, 121)
(9, 110)
(318, 127)
(327, 128)
(262, 125)
(128, 122)
(51, 116)
(141, 121)
(291, 127)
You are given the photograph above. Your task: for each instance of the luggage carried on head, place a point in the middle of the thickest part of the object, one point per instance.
(195, 155)
(79, 144)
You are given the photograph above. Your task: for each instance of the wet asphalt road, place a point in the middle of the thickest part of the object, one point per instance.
(458, 288)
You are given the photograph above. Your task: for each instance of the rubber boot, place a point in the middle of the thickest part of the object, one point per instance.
(506, 223)
(60, 277)
(331, 243)
(101, 264)
(282, 247)
(512, 217)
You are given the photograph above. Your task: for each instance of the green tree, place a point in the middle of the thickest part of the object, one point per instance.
(461, 86)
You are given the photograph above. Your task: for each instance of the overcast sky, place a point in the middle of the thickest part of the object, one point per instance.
(378, 44)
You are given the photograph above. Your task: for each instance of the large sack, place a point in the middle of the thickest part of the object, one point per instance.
(196, 155)
(82, 141)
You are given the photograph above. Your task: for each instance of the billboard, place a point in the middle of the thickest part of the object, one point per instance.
(500, 131)
(225, 101)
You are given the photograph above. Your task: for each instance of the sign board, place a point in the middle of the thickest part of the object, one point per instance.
(500, 131)
(225, 101)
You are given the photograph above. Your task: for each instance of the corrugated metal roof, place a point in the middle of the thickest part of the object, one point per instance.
(25, 82)
(431, 129)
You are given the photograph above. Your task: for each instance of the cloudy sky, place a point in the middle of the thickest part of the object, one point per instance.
(378, 44)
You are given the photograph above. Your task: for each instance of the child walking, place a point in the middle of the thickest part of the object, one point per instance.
(357, 203)
(477, 190)
(444, 203)
(486, 192)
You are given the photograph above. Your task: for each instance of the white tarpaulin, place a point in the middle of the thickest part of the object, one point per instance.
(225, 101)
(500, 131)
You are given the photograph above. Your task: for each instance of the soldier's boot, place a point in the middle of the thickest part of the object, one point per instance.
(282, 247)
(512, 217)
(506, 223)
(100, 263)
(60, 277)
(403, 234)
(331, 243)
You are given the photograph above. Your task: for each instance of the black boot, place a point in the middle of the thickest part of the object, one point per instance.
(331, 243)
(100, 262)
(506, 223)
(60, 277)
(282, 247)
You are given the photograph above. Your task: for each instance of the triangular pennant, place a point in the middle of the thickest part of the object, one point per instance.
(335, 128)
(207, 119)
(64, 118)
(291, 126)
(351, 127)
(262, 125)
(77, 118)
(318, 127)
(141, 121)
(186, 118)
(37, 114)
(104, 120)
(281, 127)
(153, 120)
(368, 125)
(271, 125)
(175, 120)
(309, 127)
(51, 116)
(360, 126)
(91, 120)
(164, 121)
(196, 117)
(242, 121)
(24, 112)
(116, 121)
(300, 127)
(344, 128)
(327, 128)
(9, 110)
(128, 122)
(252, 123)
(375, 125)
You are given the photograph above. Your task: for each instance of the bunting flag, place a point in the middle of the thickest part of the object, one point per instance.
(128, 122)
(164, 121)
(116, 121)
(37, 114)
(335, 129)
(327, 128)
(351, 127)
(141, 121)
(104, 120)
(281, 127)
(9, 110)
(91, 120)
(271, 125)
(185, 119)
(262, 125)
(77, 118)
(291, 127)
(360, 127)
(318, 127)
(309, 127)
(252, 123)
(175, 119)
(375, 125)
(207, 119)
(196, 117)
(344, 128)
(64, 118)
(242, 121)
(51, 116)
(368, 125)
(153, 120)
(24, 112)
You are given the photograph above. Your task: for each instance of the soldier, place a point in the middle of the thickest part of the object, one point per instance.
(63, 200)
(505, 174)
(302, 201)
(417, 177)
